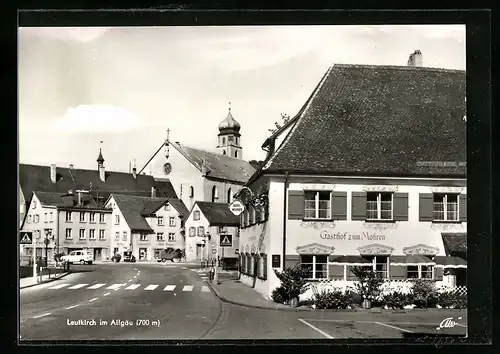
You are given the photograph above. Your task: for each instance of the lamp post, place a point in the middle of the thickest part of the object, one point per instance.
(207, 238)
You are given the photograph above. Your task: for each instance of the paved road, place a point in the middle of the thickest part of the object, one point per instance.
(155, 301)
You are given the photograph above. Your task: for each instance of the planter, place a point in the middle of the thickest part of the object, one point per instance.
(294, 302)
(367, 304)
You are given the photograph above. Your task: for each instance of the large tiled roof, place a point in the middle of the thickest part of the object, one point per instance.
(164, 188)
(218, 214)
(134, 208)
(219, 166)
(36, 177)
(180, 207)
(380, 120)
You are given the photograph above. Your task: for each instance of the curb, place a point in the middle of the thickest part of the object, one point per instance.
(45, 282)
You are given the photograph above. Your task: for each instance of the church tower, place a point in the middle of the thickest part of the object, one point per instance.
(229, 137)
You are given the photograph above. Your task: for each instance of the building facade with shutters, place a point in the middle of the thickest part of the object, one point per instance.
(371, 172)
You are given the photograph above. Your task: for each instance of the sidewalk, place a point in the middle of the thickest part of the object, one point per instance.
(29, 281)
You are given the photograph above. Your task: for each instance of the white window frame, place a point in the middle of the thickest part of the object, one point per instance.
(160, 237)
(202, 228)
(51, 216)
(82, 216)
(92, 217)
(316, 205)
(196, 215)
(69, 216)
(45, 218)
(124, 236)
(37, 218)
(117, 235)
(33, 204)
(102, 218)
(445, 206)
(117, 219)
(374, 264)
(420, 272)
(171, 221)
(314, 265)
(170, 238)
(143, 237)
(167, 207)
(102, 234)
(80, 234)
(193, 229)
(92, 234)
(161, 221)
(29, 219)
(379, 206)
(69, 234)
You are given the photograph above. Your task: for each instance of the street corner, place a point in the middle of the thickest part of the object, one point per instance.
(383, 329)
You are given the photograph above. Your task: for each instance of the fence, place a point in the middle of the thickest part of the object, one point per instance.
(52, 268)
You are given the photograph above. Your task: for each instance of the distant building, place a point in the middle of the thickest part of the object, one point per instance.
(370, 172)
(206, 224)
(146, 225)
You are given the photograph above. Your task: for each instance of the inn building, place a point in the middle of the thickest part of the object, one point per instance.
(370, 172)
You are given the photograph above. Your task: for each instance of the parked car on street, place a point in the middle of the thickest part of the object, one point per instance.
(128, 256)
(82, 257)
(169, 254)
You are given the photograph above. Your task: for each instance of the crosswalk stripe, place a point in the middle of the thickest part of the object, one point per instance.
(115, 286)
(59, 286)
(169, 288)
(187, 288)
(78, 286)
(96, 286)
(151, 287)
(205, 289)
(132, 287)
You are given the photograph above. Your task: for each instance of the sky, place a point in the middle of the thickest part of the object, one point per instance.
(125, 86)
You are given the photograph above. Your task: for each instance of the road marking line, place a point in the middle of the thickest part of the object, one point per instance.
(59, 286)
(169, 288)
(316, 329)
(393, 327)
(107, 294)
(94, 299)
(96, 286)
(132, 287)
(45, 314)
(130, 279)
(151, 287)
(115, 286)
(78, 286)
(72, 307)
(205, 289)
(187, 288)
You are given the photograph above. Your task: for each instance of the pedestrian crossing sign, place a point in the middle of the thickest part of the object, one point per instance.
(226, 240)
(26, 238)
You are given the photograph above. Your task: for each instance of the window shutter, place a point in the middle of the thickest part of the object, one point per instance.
(339, 205)
(397, 272)
(462, 207)
(425, 206)
(295, 205)
(358, 206)
(400, 201)
(292, 260)
(438, 273)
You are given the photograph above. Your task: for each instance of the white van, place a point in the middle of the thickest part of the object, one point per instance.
(81, 257)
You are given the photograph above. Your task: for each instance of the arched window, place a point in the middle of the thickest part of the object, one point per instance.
(236, 140)
(229, 196)
(223, 141)
(191, 192)
(215, 194)
(236, 154)
(223, 152)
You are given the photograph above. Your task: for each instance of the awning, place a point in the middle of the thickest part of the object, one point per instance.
(411, 260)
(348, 260)
(454, 242)
(450, 262)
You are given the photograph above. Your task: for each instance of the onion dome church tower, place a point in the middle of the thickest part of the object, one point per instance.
(229, 137)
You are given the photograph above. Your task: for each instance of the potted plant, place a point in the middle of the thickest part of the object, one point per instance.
(368, 284)
(293, 283)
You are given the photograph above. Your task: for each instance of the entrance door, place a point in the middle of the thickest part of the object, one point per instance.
(97, 254)
(199, 252)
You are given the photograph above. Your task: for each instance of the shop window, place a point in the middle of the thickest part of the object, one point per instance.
(315, 265)
(317, 205)
(378, 206)
(445, 207)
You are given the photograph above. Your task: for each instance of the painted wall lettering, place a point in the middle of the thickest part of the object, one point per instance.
(345, 236)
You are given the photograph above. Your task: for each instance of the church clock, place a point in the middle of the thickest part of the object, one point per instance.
(167, 168)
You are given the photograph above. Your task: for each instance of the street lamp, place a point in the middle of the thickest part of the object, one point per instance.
(207, 238)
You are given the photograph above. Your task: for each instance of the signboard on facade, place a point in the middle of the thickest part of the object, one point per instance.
(226, 240)
(347, 236)
(276, 260)
(26, 238)
(236, 207)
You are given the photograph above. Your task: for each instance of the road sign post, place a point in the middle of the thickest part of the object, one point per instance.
(27, 238)
(236, 207)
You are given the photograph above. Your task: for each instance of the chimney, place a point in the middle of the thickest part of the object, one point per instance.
(53, 175)
(79, 203)
(153, 192)
(102, 173)
(416, 58)
(134, 172)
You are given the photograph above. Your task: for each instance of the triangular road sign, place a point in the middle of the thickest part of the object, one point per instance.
(26, 238)
(226, 241)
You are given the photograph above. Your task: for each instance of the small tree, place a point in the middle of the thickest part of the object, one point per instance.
(284, 119)
(369, 282)
(293, 282)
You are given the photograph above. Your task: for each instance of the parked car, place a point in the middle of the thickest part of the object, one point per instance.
(116, 258)
(81, 257)
(128, 257)
(169, 254)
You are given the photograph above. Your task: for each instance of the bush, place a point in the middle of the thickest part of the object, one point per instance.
(424, 293)
(396, 300)
(279, 295)
(369, 282)
(293, 282)
(452, 300)
(333, 300)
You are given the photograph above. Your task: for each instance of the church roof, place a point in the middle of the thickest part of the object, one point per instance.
(229, 123)
(218, 214)
(380, 120)
(219, 166)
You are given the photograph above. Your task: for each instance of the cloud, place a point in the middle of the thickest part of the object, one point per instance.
(80, 34)
(98, 119)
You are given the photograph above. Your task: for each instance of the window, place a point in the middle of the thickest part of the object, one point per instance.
(427, 271)
(316, 266)
(102, 218)
(37, 232)
(171, 221)
(92, 234)
(223, 152)
(192, 231)
(143, 237)
(34, 204)
(229, 196)
(222, 229)
(92, 217)
(124, 236)
(223, 141)
(82, 234)
(102, 235)
(412, 271)
(29, 219)
(117, 235)
(167, 207)
(159, 237)
(196, 215)
(379, 206)
(191, 192)
(380, 264)
(69, 216)
(317, 205)
(160, 221)
(117, 219)
(82, 217)
(215, 194)
(171, 237)
(51, 217)
(45, 218)
(420, 271)
(37, 218)
(251, 265)
(445, 207)
(262, 267)
(69, 234)
(201, 231)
